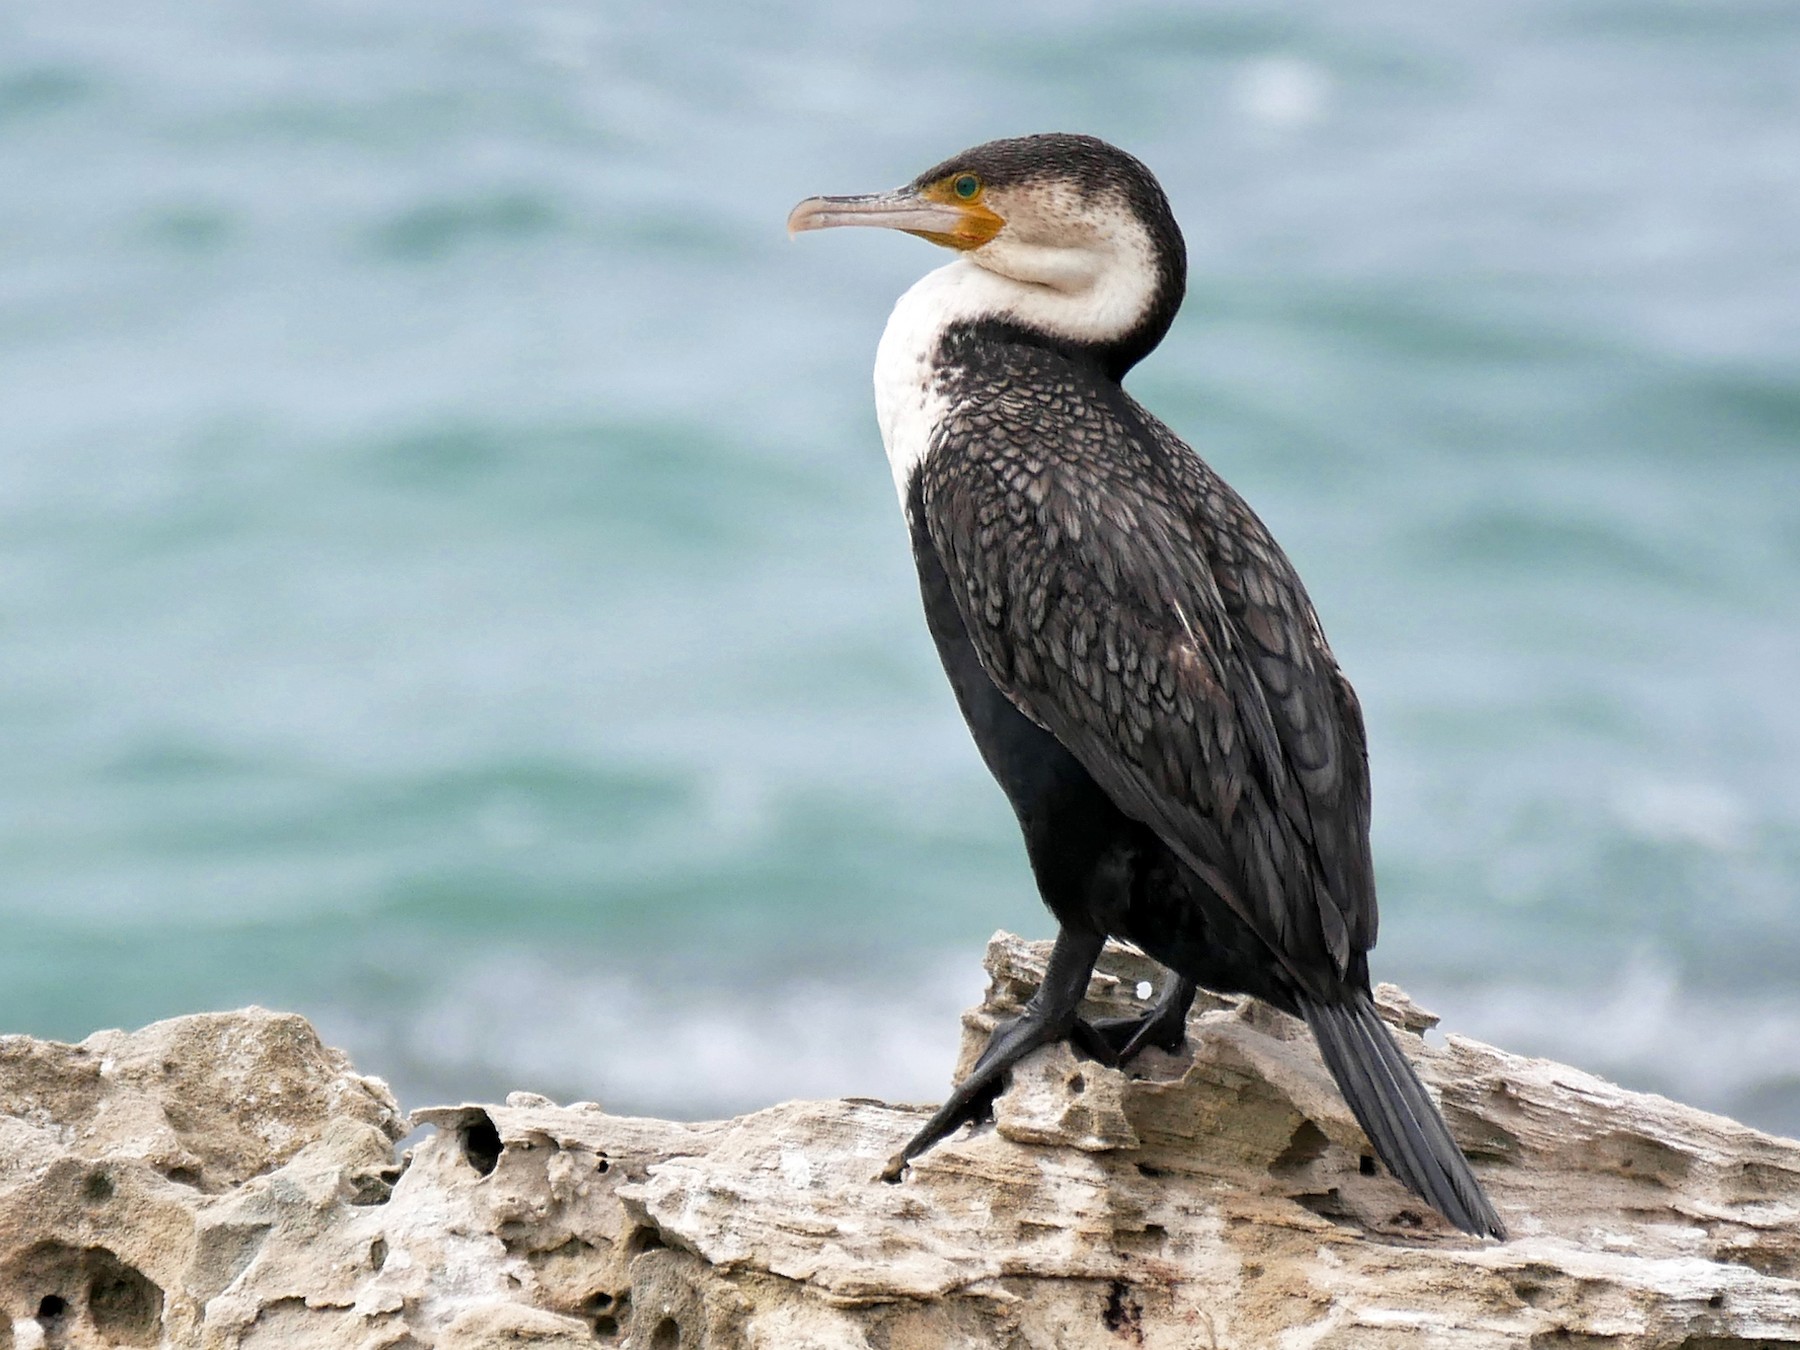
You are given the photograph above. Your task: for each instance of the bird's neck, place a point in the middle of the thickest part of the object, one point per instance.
(1109, 316)
(1068, 297)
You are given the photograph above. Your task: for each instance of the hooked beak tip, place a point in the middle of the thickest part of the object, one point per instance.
(815, 213)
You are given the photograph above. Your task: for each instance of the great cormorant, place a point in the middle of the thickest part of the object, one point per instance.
(1140, 666)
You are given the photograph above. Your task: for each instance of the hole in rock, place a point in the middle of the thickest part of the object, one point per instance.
(97, 1187)
(667, 1335)
(1078, 1085)
(372, 1188)
(645, 1239)
(1563, 1338)
(481, 1144)
(1765, 1260)
(378, 1252)
(1122, 1313)
(1366, 1165)
(1330, 1206)
(607, 1312)
(125, 1305)
(1307, 1145)
(51, 1307)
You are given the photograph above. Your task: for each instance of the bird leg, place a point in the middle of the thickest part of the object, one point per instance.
(1047, 1018)
(1116, 1041)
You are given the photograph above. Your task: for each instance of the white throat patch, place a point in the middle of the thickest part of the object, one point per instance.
(1096, 293)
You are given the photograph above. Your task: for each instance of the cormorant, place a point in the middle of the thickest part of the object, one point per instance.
(1137, 660)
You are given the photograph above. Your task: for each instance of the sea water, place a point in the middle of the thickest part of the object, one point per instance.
(450, 585)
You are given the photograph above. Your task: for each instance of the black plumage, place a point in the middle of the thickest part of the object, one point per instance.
(1129, 602)
(1145, 676)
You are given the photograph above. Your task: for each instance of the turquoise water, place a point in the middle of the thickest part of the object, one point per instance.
(450, 584)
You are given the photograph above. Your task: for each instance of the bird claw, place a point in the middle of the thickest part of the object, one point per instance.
(1116, 1041)
(1113, 1041)
(972, 1102)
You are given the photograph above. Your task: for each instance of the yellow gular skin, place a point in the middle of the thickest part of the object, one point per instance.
(977, 223)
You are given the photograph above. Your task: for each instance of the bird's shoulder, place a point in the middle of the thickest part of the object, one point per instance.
(1029, 436)
(1035, 457)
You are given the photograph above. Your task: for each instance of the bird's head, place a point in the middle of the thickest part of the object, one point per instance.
(1080, 229)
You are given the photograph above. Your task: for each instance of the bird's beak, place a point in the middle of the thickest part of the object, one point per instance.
(954, 224)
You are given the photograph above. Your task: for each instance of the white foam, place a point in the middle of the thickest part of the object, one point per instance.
(1282, 91)
(685, 1049)
(1648, 1029)
(1667, 810)
(699, 1047)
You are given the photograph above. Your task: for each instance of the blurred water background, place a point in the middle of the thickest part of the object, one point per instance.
(450, 585)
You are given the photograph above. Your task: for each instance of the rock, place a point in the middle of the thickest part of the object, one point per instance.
(132, 1168)
(226, 1182)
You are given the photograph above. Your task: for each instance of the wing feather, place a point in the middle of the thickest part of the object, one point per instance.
(1126, 599)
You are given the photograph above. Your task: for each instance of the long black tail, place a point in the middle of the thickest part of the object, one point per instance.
(1391, 1105)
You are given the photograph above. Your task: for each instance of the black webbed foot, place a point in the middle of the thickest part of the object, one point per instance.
(973, 1100)
(1116, 1041)
(1048, 1017)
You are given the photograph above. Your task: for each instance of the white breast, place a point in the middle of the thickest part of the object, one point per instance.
(908, 402)
(910, 397)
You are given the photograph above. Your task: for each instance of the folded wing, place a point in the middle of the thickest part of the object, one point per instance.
(1127, 600)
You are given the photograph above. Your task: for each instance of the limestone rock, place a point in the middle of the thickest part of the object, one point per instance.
(132, 1168)
(225, 1182)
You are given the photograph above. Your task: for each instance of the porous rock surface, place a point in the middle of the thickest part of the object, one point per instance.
(226, 1181)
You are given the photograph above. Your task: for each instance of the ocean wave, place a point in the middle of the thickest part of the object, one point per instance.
(1730, 1051)
(665, 1043)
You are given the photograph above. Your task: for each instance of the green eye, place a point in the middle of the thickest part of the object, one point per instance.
(966, 186)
